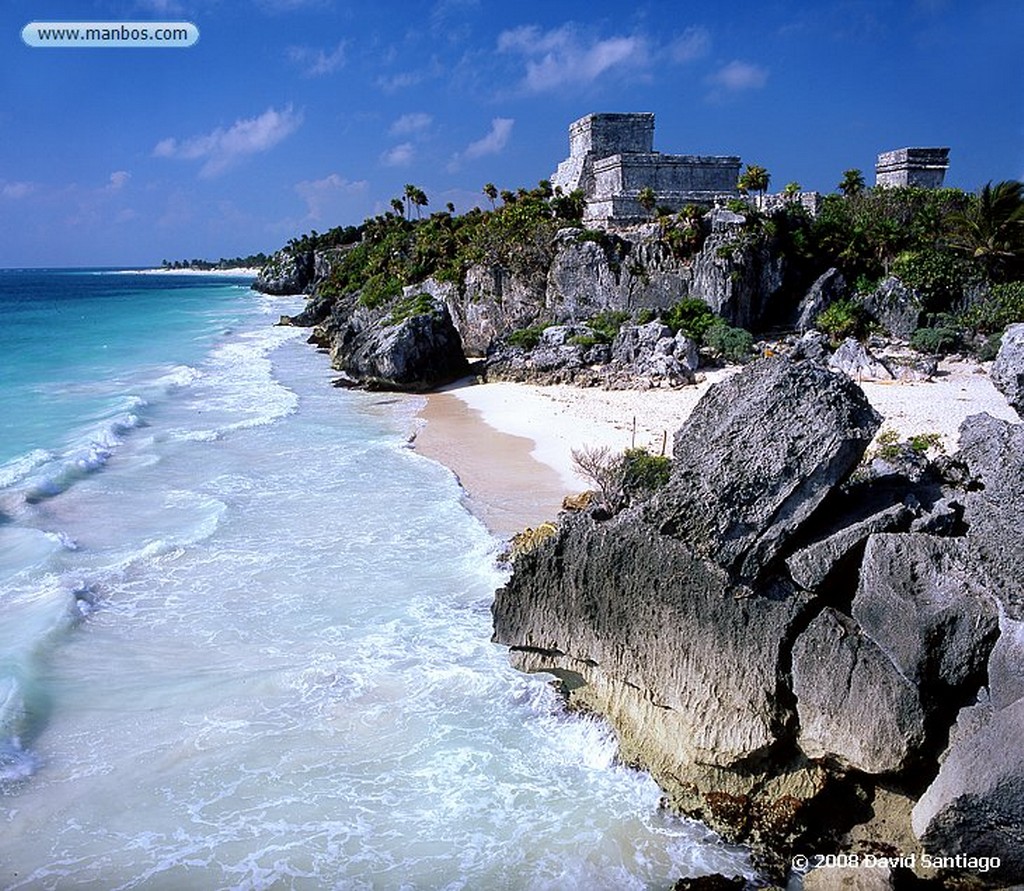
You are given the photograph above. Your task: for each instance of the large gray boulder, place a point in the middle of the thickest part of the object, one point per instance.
(854, 705)
(918, 602)
(829, 287)
(992, 453)
(896, 307)
(395, 350)
(975, 806)
(757, 456)
(286, 272)
(1008, 369)
(857, 362)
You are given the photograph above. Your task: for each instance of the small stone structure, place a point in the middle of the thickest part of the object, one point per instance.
(612, 158)
(921, 167)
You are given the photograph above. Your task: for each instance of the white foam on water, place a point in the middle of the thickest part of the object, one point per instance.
(286, 678)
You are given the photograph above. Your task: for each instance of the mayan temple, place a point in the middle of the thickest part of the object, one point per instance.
(612, 158)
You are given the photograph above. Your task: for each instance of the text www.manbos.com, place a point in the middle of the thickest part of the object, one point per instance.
(109, 34)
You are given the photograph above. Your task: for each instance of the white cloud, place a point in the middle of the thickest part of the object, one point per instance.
(737, 77)
(494, 141)
(561, 57)
(399, 156)
(415, 122)
(323, 195)
(692, 44)
(222, 148)
(318, 62)
(118, 179)
(17, 190)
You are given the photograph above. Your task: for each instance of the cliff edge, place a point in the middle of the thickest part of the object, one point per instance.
(805, 653)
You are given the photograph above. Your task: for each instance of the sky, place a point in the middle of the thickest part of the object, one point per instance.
(292, 115)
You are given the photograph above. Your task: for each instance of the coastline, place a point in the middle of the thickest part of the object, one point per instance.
(510, 444)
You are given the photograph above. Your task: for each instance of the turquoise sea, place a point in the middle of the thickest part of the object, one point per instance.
(245, 631)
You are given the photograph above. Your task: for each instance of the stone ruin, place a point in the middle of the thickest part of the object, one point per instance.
(612, 158)
(921, 167)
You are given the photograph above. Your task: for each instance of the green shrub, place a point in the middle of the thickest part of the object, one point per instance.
(607, 324)
(645, 315)
(938, 340)
(692, 316)
(732, 344)
(939, 276)
(643, 472)
(922, 443)
(414, 305)
(527, 338)
(586, 340)
(844, 318)
(1002, 306)
(379, 290)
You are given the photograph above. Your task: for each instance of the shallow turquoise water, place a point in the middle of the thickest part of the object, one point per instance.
(245, 632)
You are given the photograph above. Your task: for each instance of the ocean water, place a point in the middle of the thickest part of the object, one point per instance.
(245, 631)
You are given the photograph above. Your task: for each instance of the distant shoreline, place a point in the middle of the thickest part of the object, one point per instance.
(234, 271)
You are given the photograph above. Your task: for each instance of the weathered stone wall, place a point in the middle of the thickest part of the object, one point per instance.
(921, 167)
(676, 179)
(611, 158)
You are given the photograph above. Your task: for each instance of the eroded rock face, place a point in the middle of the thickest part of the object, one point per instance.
(286, 272)
(777, 643)
(419, 352)
(755, 458)
(829, 287)
(898, 308)
(1008, 369)
(853, 705)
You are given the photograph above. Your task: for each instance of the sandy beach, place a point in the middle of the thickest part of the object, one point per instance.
(511, 444)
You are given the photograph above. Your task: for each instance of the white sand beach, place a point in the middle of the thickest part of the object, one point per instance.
(511, 444)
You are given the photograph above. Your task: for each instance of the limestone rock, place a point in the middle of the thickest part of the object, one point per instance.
(419, 352)
(917, 601)
(992, 453)
(1008, 369)
(975, 805)
(855, 361)
(812, 345)
(811, 565)
(316, 311)
(738, 279)
(829, 287)
(853, 705)
(898, 308)
(755, 458)
(286, 272)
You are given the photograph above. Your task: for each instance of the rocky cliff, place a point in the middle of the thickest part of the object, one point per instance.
(803, 655)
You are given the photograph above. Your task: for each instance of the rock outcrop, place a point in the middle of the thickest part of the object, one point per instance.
(776, 645)
(287, 272)
(829, 287)
(411, 346)
(896, 307)
(639, 357)
(1008, 369)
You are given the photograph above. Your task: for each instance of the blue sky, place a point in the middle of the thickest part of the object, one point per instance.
(291, 115)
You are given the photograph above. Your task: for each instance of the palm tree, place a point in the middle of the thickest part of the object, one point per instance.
(419, 198)
(791, 190)
(992, 229)
(754, 179)
(491, 191)
(397, 206)
(852, 182)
